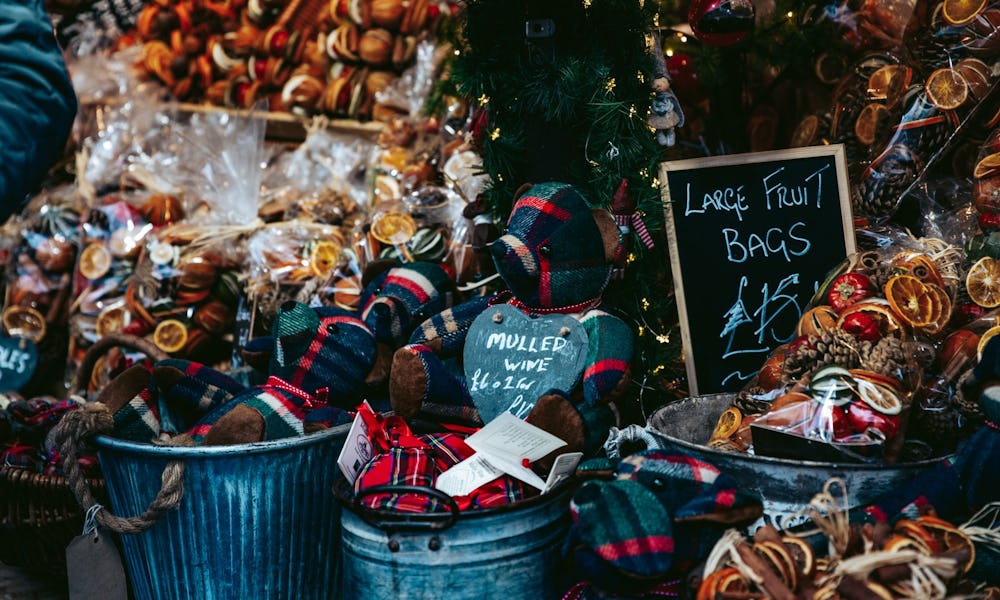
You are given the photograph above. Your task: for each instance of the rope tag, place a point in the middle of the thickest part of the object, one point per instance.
(93, 566)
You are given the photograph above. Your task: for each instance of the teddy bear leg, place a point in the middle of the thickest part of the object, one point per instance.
(583, 427)
(422, 384)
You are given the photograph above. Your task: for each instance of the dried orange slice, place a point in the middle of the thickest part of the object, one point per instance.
(901, 542)
(989, 333)
(113, 319)
(987, 166)
(918, 531)
(781, 558)
(877, 378)
(946, 89)
(729, 422)
(393, 228)
(890, 78)
(802, 553)
(724, 580)
(950, 538)
(983, 282)
(879, 397)
(830, 67)
(977, 75)
(961, 12)
(324, 257)
(870, 122)
(170, 335)
(943, 300)
(95, 261)
(908, 297)
(919, 265)
(879, 590)
(24, 322)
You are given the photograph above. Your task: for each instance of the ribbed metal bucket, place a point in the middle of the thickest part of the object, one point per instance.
(509, 553)
(783, 485)
(256, 521)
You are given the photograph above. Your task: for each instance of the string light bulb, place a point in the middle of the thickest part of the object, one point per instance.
(610, 84)
(483, 100)
(495, 134)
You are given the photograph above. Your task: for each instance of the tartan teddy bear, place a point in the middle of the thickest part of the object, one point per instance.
(556, 257)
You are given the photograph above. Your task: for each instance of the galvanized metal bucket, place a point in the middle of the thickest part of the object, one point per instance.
(783, 485)
(255, 521)
(508, 553)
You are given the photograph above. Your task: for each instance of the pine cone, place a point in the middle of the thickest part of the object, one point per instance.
(751, 401)
(886, 357)
(968, 408)
(930, 50)
(881, 275)
(832, 347)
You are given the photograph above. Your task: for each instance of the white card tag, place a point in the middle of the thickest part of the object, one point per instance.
(562, 469)
(463, 478)
(505, 443)
(357, 450)
(508, 437)
(94, 568)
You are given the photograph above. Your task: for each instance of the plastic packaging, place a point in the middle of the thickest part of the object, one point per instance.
(874, 347)
(309, 262)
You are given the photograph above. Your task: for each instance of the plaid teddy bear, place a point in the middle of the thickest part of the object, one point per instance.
(660, 513)
(556, 256)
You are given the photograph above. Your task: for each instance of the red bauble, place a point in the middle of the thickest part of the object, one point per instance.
(721, 22)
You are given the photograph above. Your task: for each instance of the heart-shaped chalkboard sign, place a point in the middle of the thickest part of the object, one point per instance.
(18, 360)
(512, 359)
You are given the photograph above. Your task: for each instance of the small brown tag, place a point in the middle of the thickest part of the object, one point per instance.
(94, 568)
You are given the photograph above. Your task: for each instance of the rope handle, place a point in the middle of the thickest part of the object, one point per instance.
(93, 419)
(101, 347)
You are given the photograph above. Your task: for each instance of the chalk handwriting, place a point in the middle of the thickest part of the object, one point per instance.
(722, 200)
(773, 242)
(783, 194)
(772, 306)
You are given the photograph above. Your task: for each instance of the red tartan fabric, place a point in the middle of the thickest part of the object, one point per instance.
(402, 458)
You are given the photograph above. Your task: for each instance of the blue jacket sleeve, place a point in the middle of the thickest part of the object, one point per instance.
(37, 102)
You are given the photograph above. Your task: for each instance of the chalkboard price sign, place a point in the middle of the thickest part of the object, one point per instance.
(752, 236)
(511, 359)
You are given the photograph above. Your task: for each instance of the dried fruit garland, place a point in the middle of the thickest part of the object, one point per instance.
(302, 56)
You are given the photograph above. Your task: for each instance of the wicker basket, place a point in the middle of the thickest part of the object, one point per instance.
(38, 518)
(39, 515)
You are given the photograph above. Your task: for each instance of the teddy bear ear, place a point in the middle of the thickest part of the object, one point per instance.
(521, 190)
(610, 234)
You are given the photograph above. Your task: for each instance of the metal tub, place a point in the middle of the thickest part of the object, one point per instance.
(784, 485)
(507, 553)
(255, 521)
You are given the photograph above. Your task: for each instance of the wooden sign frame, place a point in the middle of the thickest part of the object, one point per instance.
(683, 298)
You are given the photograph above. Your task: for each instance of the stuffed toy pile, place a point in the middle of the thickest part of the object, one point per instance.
(555, 257)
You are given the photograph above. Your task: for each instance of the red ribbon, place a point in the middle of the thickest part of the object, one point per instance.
(310, 401)
(635, 222)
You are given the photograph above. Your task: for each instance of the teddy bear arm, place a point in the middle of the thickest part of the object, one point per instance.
(610, 347)
(445, 332)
